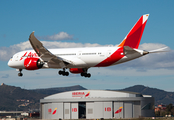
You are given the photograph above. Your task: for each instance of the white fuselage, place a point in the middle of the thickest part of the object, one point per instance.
(79, 57)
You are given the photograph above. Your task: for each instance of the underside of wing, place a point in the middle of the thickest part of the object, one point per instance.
(45, 54)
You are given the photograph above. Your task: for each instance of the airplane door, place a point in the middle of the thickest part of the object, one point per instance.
(79, 54)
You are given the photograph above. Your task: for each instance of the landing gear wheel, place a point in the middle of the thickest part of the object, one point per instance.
(60, 72)
(66, 73)
(86, 74)
(20, 74)
(63, 73)
(82, 74)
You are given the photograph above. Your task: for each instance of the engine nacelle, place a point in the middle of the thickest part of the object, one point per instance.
(33, 63)
(76, 70)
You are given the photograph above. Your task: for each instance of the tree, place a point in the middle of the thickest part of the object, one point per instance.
(157, 113)
(169, 108)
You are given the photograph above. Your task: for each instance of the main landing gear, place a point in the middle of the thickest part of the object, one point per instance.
(20, 74)
(64, 73)
(85, 74)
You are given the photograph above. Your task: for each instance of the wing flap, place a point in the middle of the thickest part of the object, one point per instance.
(45, 54)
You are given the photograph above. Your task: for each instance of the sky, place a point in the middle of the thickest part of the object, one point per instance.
(77, 23)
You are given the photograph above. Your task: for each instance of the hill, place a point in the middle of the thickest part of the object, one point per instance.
(14, 98)
(161, 96)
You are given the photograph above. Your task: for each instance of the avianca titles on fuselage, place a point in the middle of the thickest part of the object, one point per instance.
(79, 60)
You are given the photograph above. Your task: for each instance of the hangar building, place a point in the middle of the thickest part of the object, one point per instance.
(96, 104)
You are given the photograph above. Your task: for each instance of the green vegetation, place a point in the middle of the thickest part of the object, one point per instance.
(168, 111)
(161, 96)
(14, 98)
(11, 96)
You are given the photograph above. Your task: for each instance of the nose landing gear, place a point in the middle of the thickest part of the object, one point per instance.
(20, 74)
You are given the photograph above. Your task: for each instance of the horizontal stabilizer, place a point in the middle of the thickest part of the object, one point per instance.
(159, 50)
(129, 50)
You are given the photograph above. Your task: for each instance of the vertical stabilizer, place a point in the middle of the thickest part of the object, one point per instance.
(133, 38)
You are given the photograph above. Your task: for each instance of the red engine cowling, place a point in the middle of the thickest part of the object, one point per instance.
(76, 70)
(33, 63)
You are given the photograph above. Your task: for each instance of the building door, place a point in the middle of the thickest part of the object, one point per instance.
(74, 111)
(82, 110)
(128, 113)
(66, 111)
(89, 110)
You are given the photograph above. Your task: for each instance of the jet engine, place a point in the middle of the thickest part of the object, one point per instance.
(33, 63)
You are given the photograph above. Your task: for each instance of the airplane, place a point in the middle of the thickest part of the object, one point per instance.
(79, 60)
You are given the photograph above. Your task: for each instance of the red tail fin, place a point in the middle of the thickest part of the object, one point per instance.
(133, 38)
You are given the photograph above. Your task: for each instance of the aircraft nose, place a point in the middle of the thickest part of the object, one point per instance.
(10, 63)
(16, 64)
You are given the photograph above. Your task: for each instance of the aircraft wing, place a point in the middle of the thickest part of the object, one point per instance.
(45, 54)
